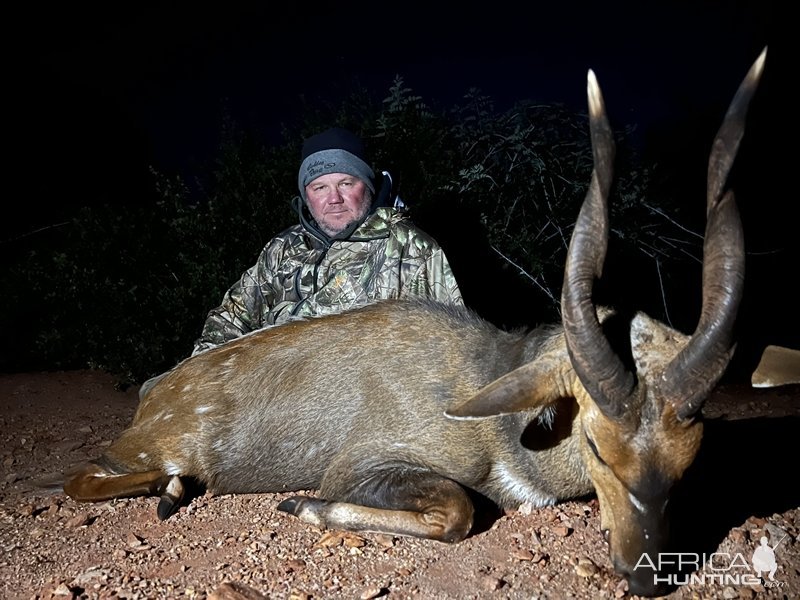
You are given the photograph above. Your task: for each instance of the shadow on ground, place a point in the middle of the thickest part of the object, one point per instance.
(744, 469)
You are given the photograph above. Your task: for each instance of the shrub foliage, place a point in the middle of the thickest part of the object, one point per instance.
(125, 288)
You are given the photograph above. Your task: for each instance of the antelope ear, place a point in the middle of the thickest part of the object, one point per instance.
(533, 385)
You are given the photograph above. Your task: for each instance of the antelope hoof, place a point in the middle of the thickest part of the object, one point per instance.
(290, 505)
(305, 509)
(171, 498)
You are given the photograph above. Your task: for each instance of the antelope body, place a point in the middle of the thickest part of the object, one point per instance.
(394, 410)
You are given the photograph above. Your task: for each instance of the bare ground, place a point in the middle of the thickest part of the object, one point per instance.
(743, 486)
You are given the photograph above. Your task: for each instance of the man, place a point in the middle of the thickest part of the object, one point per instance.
(345, 251)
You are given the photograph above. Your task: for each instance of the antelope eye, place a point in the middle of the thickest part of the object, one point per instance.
(593, 447)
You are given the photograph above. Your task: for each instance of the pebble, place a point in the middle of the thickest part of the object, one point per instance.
(585, 567)
(371, 592)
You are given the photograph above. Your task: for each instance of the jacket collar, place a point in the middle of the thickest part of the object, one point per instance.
(375, 225)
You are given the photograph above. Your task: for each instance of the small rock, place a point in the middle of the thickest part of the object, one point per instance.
(562, 530)
(525, 508)
(90, 575)
(62, 590)
(522, 554)
(79, 520)
(295, 564)
(371, 592)
(328, 539)
(67, 446)
(235, 591)
(490, 583)
(386, 541)
(738, 535)
(585, 567)
(353, 541)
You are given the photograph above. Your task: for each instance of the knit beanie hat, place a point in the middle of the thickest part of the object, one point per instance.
(335, 150)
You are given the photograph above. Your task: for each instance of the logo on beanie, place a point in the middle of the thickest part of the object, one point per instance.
(319, 167)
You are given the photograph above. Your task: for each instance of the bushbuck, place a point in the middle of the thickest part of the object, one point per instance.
(398, 411)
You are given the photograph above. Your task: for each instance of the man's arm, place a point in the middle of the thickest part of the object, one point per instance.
(241, 311)
(434, 279)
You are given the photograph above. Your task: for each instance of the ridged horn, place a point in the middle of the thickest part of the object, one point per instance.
(698, 367)
(600, 370)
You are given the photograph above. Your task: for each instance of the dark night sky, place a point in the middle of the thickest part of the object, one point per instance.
(98, 95)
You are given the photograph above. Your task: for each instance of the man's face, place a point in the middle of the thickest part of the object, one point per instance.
(336, 200)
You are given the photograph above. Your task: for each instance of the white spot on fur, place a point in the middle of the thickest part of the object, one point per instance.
(311, 452)
(187, 388)
(143, 455)
(635, 501)
(175, 487)
(170, 468)
(519, 489)
(202, 409)
(207, 384)
(455, 418)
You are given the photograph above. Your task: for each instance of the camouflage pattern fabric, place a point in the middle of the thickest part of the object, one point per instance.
(298, 274)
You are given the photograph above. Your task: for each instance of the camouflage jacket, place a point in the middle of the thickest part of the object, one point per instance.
(298, 274)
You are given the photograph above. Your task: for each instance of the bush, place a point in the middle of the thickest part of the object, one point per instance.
(126, 288)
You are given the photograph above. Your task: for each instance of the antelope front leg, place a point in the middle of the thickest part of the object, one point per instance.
(420, 504)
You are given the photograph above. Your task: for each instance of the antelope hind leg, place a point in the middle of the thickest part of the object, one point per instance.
(92, 482)
(420, 504)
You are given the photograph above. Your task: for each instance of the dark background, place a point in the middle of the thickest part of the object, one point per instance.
(98, 94)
